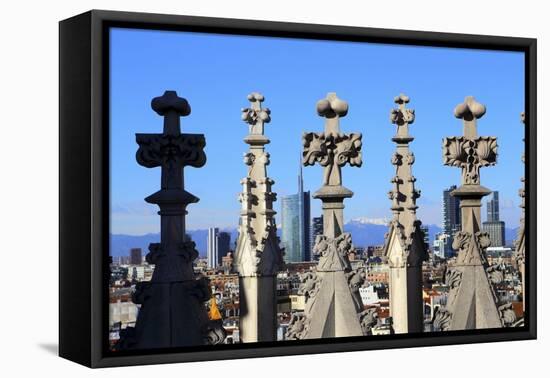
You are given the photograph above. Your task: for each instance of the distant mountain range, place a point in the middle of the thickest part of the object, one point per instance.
(121, 244)
(365, 232)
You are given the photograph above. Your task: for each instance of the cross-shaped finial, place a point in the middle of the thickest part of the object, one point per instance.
(332, 149)
(172, 108)
(469, 151)
(332, 108)
(402, 117)
(255, 116)
(470, 111)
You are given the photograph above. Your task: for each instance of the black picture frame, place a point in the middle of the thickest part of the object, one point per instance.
(84, 185)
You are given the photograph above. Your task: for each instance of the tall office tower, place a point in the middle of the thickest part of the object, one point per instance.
(451, 217)
(290, 227)
(426, 231)
(135, 256)
(305, 218)
(224, 240)
(493, 214)
(316, 229)
(496, 233)
(212, 250)
(295, 224)
(494, 226)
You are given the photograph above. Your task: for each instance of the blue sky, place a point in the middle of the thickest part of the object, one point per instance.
(216, 72)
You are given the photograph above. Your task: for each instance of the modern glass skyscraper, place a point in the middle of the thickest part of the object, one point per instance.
(290, 228)
(217, 247)
(296, 224)
(494, 226)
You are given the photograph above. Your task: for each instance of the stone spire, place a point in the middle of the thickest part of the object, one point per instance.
(472, 303)
(520, 241)
(258, 257)
(333, 306)
(404, 245)
(172, 312)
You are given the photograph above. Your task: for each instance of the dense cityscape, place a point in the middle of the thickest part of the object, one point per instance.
(298, 232)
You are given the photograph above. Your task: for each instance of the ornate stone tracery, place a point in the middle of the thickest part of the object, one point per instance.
(470, 155)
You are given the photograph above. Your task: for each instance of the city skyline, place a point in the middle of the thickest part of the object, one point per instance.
(367, 89)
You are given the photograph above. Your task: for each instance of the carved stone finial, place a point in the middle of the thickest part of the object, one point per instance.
(404, 194)
(470, 109)
(170, 101)
(404, 245)
(258, 256)
(172, 313)
(255, 115)
(401, 99)
(470, 152)
(402, 117)
(171, 107)
(332, 106)
(332, 149)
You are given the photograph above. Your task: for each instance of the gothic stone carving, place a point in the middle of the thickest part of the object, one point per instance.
(164, 150)
(333, 252)
(471, 248)
(470, 155)
(368, 318)
(442, 319)
(356, 279)
(297, 327)
(330, 150)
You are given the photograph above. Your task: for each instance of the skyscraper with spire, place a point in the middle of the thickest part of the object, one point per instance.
(296, 224)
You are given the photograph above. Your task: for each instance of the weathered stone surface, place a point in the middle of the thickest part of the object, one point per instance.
(404, 245)
(472, 303)
(333, 307)
(520, 241)
(172, 312)
(258, 256)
